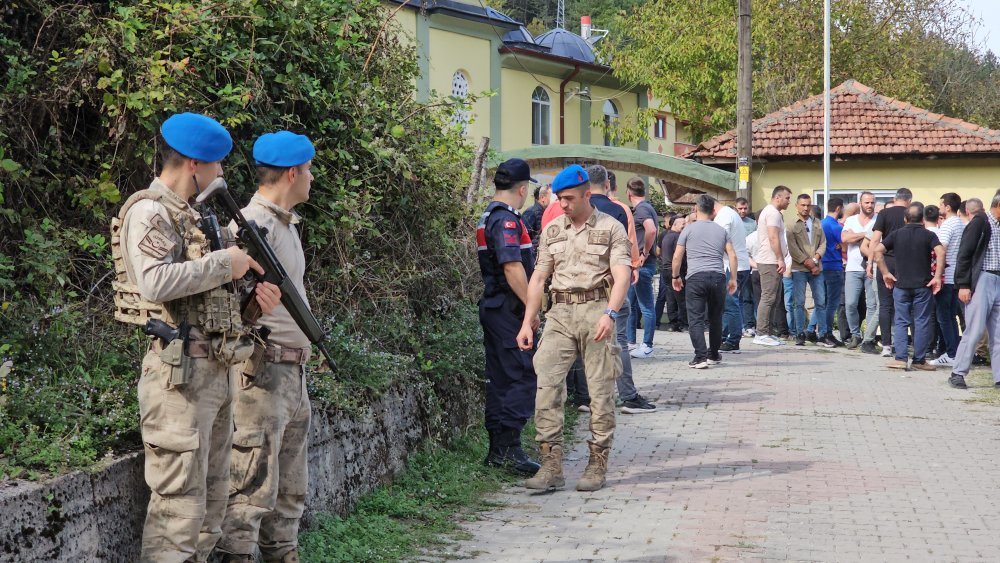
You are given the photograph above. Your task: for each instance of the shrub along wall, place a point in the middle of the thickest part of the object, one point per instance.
(87, 84)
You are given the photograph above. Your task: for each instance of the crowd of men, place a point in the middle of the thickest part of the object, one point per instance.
(914, 283)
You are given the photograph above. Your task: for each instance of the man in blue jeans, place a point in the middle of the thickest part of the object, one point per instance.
(641, 293)
(946, 301)
(912, 285)
(806, 246)
(732, 319)
(833, 263)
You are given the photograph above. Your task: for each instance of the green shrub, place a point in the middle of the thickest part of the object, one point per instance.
(86, 85)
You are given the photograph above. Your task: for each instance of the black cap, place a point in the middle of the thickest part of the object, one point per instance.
(512, 171)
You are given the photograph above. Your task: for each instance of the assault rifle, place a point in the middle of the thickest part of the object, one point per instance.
(253, 237)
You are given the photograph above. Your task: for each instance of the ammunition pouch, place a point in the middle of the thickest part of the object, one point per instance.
(254, 365)
(231, 351)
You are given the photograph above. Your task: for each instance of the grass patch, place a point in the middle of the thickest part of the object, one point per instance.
(422, 510)
(981, 384)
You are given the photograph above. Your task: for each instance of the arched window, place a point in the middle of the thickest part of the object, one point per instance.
(541, 117)
(460, 90)
(610, 118)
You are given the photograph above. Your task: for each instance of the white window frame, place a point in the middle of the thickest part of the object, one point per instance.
(541, 117)
(881, 196)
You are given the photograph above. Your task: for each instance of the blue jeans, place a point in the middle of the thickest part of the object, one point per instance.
(855, 283)
(913, 308)
(833, 280)
(641, 296)
(746, 295)
(789, 293)
(946, 302)
(799, 281)
(732, 319)
(626, 386)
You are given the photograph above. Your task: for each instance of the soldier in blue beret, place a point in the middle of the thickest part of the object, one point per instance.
(506, 260)
(587, 254)
(168, 272)
(271, 408)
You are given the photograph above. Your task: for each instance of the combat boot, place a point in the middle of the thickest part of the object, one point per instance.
(236, 558)
(290, 557)
(550, 476)
(492, 455)
(597, 468)
(509, 455)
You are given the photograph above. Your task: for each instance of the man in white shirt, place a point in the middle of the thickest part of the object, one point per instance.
(732, 319)
(770, 262)
(856, 229)
(946, 300)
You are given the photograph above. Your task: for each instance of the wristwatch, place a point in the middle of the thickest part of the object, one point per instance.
(675, 277)
(611, 313)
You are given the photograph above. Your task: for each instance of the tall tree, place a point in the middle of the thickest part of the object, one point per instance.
(686, 52)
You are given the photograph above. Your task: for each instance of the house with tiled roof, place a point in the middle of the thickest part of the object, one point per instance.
(877, 143)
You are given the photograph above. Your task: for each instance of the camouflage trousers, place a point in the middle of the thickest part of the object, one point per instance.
(270, 465)
(187, 434)
(569, 332)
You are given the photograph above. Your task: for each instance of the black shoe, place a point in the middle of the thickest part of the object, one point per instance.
(698, 364)
(714, 359)
(811, 337)
(730, 347)
(853, 342)
(638, 405)
(979, 360)
(508, 454)
(800, 340)
(829, 341)
(957, 381)
(870, 348)
(837, 343)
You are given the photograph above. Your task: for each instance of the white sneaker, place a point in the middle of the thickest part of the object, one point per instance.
(583, 408)
(943, 360)
(886, 351)
(631, 347)
(766, 340)
(749, 332)
(643, 351)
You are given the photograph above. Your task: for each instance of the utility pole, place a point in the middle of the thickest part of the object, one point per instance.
(744, 95)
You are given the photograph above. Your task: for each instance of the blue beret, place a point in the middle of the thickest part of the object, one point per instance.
(570, 177)
(283, 149)
(197, 136)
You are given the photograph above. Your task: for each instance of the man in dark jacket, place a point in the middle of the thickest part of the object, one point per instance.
(977, 276)
(533, 216)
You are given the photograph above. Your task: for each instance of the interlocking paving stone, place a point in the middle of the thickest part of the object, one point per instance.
(777, 454)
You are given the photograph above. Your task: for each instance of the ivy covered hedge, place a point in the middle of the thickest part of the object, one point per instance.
(86, 84)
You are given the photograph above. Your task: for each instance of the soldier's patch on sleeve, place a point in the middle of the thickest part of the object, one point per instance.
(155, 242)
(599, 237)
(552, 231)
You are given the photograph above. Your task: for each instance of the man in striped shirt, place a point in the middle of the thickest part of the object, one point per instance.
(946, 301)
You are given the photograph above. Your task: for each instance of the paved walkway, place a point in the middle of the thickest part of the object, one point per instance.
(797, 453)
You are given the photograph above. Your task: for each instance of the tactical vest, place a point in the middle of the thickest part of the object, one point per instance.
(216, 311)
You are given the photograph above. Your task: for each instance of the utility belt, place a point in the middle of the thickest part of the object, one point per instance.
(280, 355)
(178, 352)
(578, 297)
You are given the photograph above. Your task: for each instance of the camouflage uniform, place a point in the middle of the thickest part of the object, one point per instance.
(271, 412)
(165, 270)
(580, 262)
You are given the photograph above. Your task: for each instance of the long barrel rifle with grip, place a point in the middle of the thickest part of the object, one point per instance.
(253, 237)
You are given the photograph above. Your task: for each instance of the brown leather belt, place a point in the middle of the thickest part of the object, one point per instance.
(195, 348)
(278, 355)
(579, 296)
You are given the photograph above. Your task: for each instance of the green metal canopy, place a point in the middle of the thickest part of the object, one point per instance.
(680, 176)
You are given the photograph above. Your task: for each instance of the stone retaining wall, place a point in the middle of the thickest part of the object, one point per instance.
(97, 515)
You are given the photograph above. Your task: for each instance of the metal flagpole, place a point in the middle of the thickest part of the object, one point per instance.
(826, 102)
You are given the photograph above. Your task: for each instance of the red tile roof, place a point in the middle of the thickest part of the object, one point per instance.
(862, 124)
